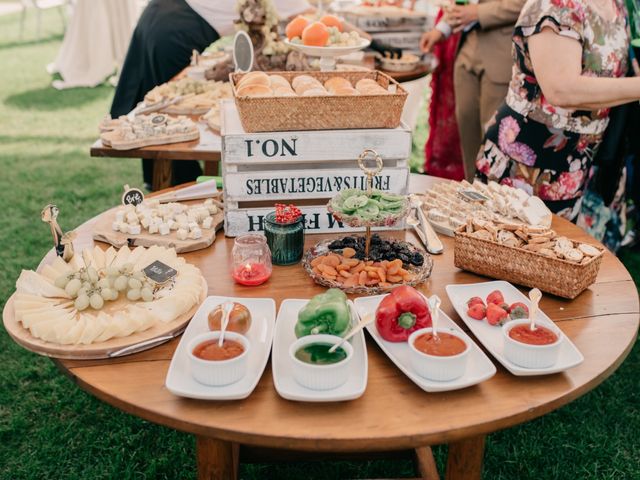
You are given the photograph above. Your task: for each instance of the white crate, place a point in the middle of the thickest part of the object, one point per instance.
(241, 148)
(254, 180)
(317, 220)
(406, 40)
(384, 23)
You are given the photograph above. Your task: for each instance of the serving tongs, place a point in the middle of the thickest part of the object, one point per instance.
(423, 228)
(143, 108)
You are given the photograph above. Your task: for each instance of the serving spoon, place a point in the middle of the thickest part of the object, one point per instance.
(434, 306)
(369, 318)
(534, 296)
(226, 310)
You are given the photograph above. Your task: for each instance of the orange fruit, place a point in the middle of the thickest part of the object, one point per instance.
(296, 26)
(332, 21)
(315, 34)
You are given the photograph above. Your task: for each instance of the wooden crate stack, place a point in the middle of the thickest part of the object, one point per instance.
(396, 31)
(305, 168)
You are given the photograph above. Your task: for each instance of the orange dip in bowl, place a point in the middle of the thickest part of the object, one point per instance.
(209, 350)
(446, 345)
(539, 336)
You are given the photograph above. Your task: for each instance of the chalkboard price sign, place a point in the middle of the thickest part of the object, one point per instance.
(159, 272)
(132, 196)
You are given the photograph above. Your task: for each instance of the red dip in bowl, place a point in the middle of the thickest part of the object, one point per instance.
(539, 336)
(446, 345)
(209, 350)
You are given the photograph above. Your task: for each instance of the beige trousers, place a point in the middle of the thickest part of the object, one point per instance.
(477, 99)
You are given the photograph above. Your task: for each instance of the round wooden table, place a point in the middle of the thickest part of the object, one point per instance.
(393, 414)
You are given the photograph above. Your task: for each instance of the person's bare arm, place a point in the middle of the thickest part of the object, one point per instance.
(557, 65)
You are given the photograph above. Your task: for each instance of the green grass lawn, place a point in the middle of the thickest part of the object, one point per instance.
(51, 429)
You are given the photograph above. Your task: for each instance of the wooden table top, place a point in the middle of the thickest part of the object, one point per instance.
(393, 413)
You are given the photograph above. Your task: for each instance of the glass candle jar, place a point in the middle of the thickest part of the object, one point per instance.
(251, 260)
(286, 240)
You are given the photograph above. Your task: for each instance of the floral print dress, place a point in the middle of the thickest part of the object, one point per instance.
(544, 149)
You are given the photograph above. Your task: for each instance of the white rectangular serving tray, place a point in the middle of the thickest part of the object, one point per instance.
(283, 380)
(491, 336)
(479, 367)
(179, 380)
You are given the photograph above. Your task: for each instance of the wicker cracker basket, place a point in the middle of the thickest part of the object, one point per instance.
(280, 114)
(531, 269)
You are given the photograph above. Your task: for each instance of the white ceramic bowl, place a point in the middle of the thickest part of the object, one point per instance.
(438, 368)
(320, 377)
(531, 356)
(216, 373)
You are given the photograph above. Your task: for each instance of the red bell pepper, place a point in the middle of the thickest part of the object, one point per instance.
(402, 312)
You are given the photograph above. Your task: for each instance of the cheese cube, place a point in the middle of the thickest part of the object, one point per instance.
(134, 229)
(207, 223)
(153, 228)
(146, 221)
(193, 225)
(124, 227)
(182, 234)
(195, 233)
(120, 215)
(163, 229)
(132, 217)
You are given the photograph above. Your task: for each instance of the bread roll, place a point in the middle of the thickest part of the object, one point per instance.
(303, 87)
(279, 81)
(303, 79)
(254, 78)
(283, 92)
(335, 83)
(345, 91)
(315, 92)
(254, 91)
(366, 82)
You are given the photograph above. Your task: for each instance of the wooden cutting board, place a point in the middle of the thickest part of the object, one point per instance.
(115, 347)
(104, 233)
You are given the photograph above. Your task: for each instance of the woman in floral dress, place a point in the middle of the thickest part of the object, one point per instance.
(570, 57)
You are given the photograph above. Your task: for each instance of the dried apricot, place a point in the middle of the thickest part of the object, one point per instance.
(348, 252)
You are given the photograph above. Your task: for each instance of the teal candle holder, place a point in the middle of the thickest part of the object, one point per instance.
(286, 240)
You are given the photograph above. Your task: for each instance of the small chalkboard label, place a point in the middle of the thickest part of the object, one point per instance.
(159, 272)
(132, 196)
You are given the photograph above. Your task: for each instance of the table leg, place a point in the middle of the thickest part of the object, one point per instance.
(217, 459)
(162, 174)
(211, 168)
(426, 464)
(465, 459)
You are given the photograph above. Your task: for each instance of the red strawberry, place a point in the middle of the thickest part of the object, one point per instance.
(495, 297)
(477, 311)
(495, 314)
(518, 310)
(475, 301)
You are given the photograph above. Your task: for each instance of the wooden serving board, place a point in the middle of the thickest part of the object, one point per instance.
(112, 139)
(116, 347)
(104, 233)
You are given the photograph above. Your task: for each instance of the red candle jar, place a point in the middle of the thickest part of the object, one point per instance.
(251, 260)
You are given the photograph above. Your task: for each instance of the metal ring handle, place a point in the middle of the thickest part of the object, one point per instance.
(364, 156)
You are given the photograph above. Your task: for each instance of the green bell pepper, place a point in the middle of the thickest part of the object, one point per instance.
(325, 313)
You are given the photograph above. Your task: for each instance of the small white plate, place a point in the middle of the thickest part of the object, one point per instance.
(283, 380)
(491, 336)
(479, 367)
(179, 380)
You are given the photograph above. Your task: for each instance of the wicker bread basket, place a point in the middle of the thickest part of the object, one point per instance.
(279, 114)
(531, 269)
